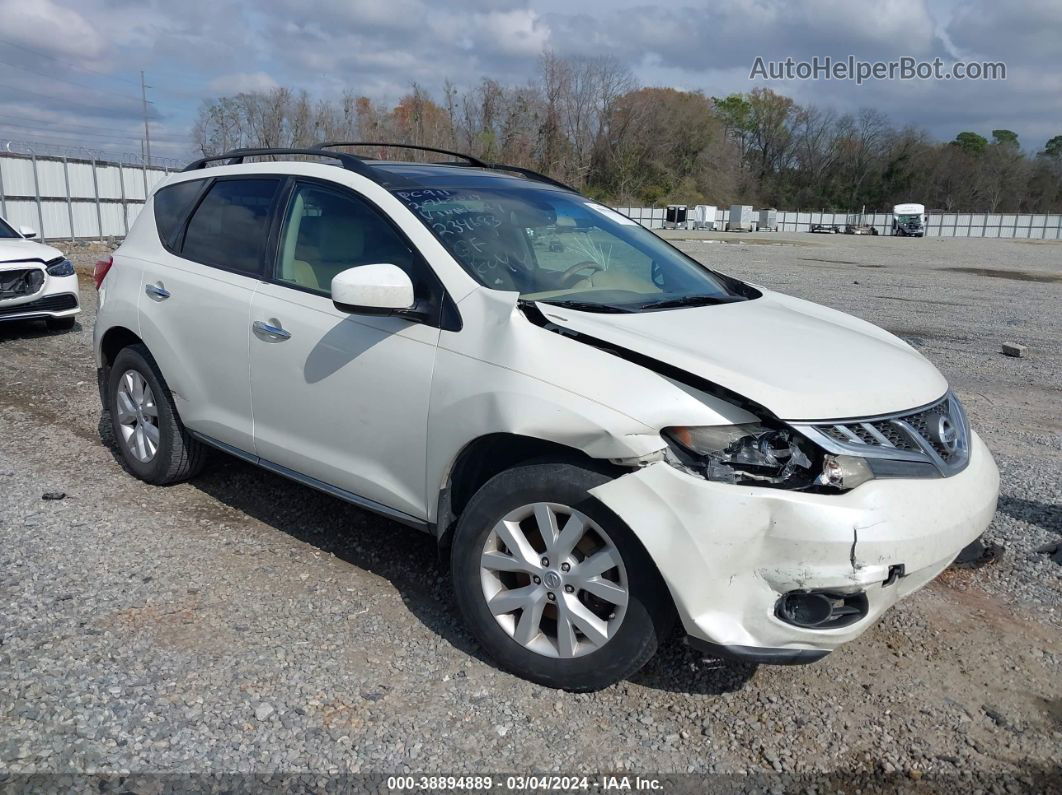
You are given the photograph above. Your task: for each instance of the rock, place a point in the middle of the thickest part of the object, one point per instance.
(1054, 549)
(995, 715)
(263, 711)
(977, 554)
(53, 495)
(1013, 349)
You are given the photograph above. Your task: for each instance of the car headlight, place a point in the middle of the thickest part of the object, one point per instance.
(844, 472)
(60, 267)
(754, 454)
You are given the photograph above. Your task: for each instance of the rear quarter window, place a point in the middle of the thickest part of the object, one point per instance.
(172, 205)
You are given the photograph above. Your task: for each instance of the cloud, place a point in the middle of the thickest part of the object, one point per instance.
(49, 27)
(736, 32)
(242, 83)
(1025, 32)
(520, 32)
(379, 48)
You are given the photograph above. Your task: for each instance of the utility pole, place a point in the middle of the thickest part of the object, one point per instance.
(147, 130)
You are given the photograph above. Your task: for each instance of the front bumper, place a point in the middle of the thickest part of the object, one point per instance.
(58, 298)
(728, 553)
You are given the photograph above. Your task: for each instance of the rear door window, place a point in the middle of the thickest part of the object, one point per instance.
(172, 205)
(229, 229)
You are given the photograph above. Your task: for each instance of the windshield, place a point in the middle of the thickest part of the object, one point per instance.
(6, 230)
(562, 248)
(909, 219)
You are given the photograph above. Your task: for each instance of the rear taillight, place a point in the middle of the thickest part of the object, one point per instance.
(98, 272)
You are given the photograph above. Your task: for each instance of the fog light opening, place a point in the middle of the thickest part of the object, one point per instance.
(821, 609)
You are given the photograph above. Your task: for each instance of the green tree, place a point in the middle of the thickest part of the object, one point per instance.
(970, 142)
(1007, 138)
(1053, 148)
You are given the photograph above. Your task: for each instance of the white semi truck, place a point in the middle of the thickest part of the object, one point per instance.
(909, 220)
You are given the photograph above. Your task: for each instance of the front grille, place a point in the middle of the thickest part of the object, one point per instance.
(20, 282)
(936, 433)
(51, 303)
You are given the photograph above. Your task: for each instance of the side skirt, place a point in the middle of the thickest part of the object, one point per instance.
(314, 483)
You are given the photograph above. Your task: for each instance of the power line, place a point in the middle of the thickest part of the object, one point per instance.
(81, 68)
(67, 80)
(93, 134)
(53, 57)
(57, 98)
(110, 76)
(75, 128)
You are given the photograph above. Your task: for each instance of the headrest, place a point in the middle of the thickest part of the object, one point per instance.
(341, 240)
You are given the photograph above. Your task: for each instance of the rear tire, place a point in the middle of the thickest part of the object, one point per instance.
(59, 323)
(154, 444)
(586, 629)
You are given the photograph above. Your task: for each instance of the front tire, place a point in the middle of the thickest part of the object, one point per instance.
(553, 584)
(155, 445)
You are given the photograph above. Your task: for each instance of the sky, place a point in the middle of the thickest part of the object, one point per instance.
(70, 71)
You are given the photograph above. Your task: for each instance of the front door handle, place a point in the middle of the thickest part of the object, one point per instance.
(269, 331)
(156, 292)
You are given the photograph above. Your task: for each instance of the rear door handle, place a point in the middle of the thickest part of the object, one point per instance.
(269, 331)
(156, 291)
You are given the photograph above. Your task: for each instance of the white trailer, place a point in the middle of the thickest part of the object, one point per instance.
(768, 221)
(741, 218)
(704, 216)
(909, 220)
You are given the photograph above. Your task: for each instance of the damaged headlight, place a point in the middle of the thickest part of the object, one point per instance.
(755, 454)
(61, 267)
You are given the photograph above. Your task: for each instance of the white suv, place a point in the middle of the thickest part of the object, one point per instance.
(607, 434)
(36, 281)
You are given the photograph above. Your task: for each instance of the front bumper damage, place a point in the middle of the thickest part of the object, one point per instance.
(50, 297)
(729, 553)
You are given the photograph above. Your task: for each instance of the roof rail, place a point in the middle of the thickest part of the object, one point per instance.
(536, 176)
(472, 161)
(357, 164)
(236, 156)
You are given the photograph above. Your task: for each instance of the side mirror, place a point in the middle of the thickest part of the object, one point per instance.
(27, 231)
(373, 290)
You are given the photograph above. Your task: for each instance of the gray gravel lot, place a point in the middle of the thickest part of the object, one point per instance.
(243, 623)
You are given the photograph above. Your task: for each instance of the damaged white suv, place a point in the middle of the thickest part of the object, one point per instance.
(607, 434)
(36, 281)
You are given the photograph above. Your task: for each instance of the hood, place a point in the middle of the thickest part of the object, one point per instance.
(19, 248)
(800, 360)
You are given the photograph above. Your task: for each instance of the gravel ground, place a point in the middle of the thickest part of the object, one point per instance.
(242, 623)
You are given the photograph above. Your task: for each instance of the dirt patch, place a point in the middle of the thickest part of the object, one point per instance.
(922, 334)
(1016, 276)
(919, 300)
(831, 261)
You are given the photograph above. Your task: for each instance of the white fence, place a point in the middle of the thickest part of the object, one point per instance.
(1037, 226)
(68, 198)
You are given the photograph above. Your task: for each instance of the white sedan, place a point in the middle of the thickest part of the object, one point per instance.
(36, 281)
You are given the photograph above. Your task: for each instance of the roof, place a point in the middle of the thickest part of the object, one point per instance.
(445, 175)
(396, 174)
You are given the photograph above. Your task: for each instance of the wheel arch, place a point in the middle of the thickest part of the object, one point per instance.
(487, 455)
(113, 341)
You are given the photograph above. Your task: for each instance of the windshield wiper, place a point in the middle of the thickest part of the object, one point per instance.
(690, 300)
(588, 306)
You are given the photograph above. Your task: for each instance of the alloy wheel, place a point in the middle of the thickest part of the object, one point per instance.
(554, 580)
(138, 416)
